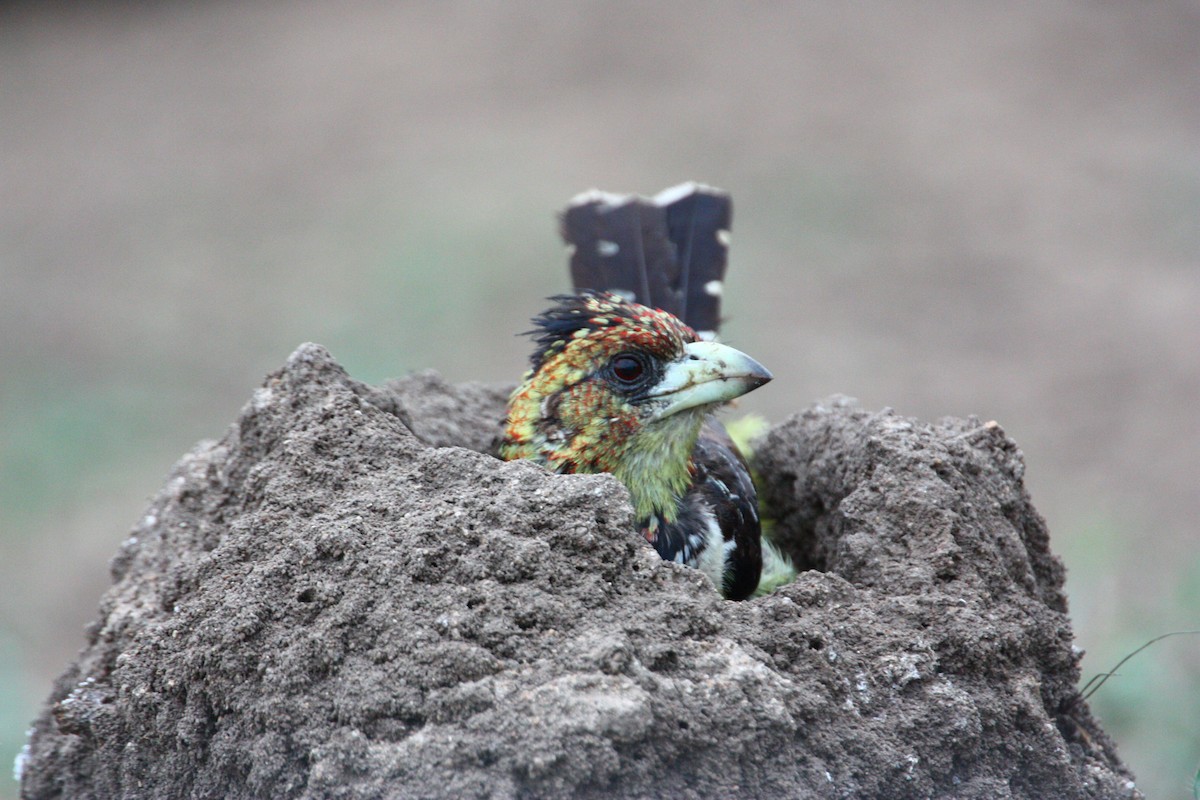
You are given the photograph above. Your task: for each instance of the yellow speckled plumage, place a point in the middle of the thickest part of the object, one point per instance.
(597, 429)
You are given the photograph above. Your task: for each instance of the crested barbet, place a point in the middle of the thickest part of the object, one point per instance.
(627, 374)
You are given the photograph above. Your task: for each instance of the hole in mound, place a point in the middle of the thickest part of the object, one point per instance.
(798, 529)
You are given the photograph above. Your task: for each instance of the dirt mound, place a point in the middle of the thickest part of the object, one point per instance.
(336, 601)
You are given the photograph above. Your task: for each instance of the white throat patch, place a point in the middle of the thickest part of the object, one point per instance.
(716, 551)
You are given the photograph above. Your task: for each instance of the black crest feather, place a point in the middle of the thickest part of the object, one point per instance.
(569, 314)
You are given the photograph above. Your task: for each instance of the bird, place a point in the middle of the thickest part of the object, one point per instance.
(626, 375)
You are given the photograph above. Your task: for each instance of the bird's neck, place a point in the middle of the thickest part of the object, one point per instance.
(652, 460)
(656, 466)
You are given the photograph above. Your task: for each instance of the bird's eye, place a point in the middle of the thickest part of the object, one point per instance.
(627, 368)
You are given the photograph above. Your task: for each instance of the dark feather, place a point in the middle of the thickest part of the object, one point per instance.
(723, 483)
(555, 325)
(620, 245)
(721, 489)
(698, 223)
(662, 252)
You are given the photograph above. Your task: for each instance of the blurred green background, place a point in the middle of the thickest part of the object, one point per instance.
(949, 209)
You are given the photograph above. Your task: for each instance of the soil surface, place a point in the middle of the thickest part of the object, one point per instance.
(344, 597)
(950, 209)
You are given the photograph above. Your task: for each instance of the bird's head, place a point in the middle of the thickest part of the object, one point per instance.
(618, 387)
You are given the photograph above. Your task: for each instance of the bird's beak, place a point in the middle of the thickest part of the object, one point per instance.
(708, 373)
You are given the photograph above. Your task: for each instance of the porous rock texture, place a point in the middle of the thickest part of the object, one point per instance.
(344, 597)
